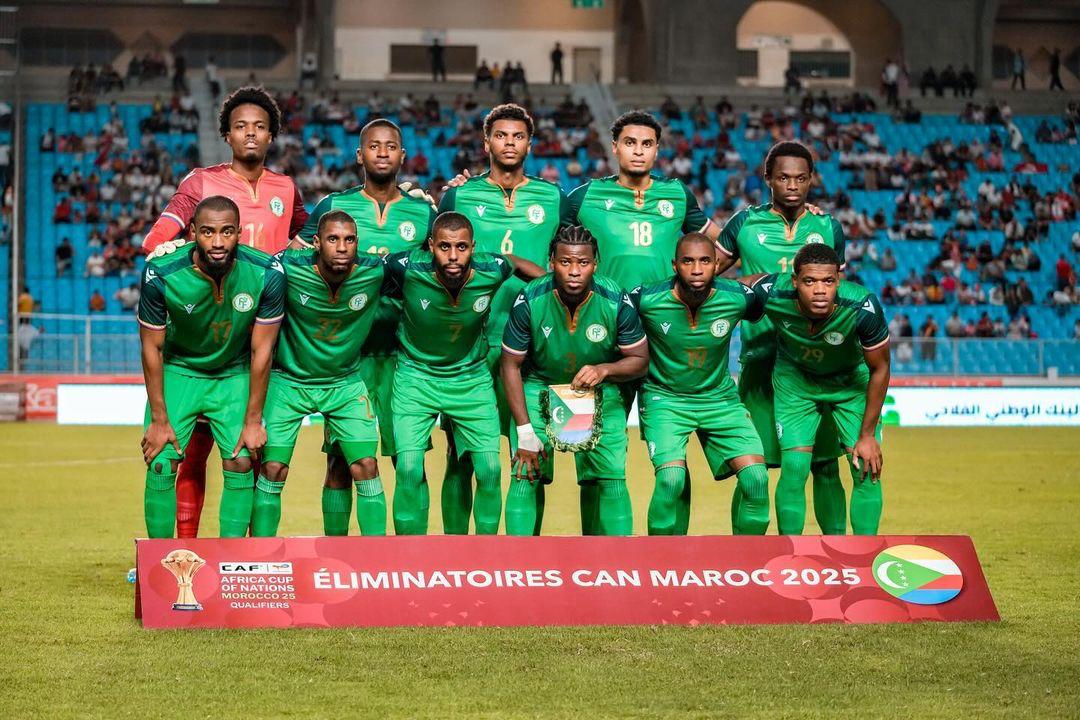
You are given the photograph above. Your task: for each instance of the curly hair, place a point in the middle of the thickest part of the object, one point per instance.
(816, 254)
(507, 111)
(788, 148)
(635, 117)
(249, 95)
(573, 235)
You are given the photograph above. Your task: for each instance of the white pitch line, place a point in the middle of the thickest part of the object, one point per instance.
(54, 463)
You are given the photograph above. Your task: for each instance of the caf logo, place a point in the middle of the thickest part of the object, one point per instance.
(834, 338)
(814, 238)
(596, 333)
(242, 302)
(276, 206)
(481, 303)
(535, 214)
(407, 231)
(665, 208)
(720, 328)
(357, 302)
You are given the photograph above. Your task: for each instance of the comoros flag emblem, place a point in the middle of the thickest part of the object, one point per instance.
(572, 418)
(918, 574)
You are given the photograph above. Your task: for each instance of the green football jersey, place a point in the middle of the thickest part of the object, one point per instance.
(323, 331)
(440, 334)
(688, 354)
(763, 240)
(557, 344)
(520, 222)
(207, 327)
(833, 346)
(400, 225)
(636, 233)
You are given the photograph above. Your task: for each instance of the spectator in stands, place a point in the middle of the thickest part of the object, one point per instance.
(928, 339)
(128, 297)
(929, 80)
(1055, 70)
(968, 81)
(95, 265)
(1063, 271)
(179, 82)
(887, 262)
(1076, 329)
(985, 327)
(213, 78)
(483, 75)
(1019, 67)
(48, 140)
(64, 253)
(437, 54)
(63, 212)
(556, 65)
(910, 113)
(26, 304)
(949, 80)
(890, 81)
(97, 302)
(954, 326)
(670, 110)
(26, 335)
(5, 163)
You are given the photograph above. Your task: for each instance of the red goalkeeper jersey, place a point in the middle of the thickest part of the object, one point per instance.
(271, 209)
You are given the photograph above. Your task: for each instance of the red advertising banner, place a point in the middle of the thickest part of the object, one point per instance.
(507, 581)
(41, 389)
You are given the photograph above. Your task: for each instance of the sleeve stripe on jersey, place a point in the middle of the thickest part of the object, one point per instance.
(708, 222)
(880, 344)
(269, 321)
(633, 345)
(150, 326)
(723, 249)
(512, 351)
(176, 219)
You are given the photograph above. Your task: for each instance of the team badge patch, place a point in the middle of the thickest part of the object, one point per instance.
(277, 206)
(665, 208)
(814, 238)
(535, 214)
(834, 338)
(357, 302)
(481, 303)
(596, 332)
(407, 231)
(573, 419)
(720, 328)
(242, 302)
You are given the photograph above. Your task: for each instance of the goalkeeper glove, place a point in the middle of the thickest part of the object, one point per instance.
(417, 192)
(168, 247)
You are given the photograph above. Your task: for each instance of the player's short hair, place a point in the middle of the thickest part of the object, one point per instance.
(380, 122)
(218, 203)
(788, 148)
(574, 235)
(249, 95)
(451, 221)
(334, 216)
(695, 237)
(507, 111)
(635, 117)
(816, 254)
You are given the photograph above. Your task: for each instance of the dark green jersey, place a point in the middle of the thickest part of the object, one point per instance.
(833, 346)
(207, 327)
(324, 330)
(688, 353)
(519, 222)
(557, 343)
(400, 225)
(636, 233)
(441, 334)
(763, 240)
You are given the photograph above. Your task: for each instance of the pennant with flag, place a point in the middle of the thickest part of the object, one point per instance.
(572, 418)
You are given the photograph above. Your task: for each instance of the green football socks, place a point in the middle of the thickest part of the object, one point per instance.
(665, 502)
(590, 507)
(521, 505)
(457, 494)
(370, 507)
(237, 499)
(336, 509)
(865, 504)
(411, 498)
(791, 492)
(752, 513)
(266, 510)
(830, 501)
(613, 500)
(487, 508)
(159, 503)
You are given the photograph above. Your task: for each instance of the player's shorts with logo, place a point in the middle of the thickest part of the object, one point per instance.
(346, 410)
(606, 461)
(756, 392)
(722, 424)
(220, 399)
(802, 399)
(467, 401)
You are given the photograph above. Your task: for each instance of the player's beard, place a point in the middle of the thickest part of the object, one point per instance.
(374, 178)
(215, 268)
(691, 296)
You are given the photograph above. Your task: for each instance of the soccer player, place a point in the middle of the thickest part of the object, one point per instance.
(689, 320)
(636, 216)
(446, 299)
(511, 213)
(832, 355)
(571, 326)
(388, 220)
(331, 300)
(271, 212)
(209, 316)
(765, 238)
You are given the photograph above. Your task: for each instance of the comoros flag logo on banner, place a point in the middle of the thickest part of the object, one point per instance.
(918, 574)
(572, 418)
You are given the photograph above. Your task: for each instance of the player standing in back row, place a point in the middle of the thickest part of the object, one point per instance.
(271, 212)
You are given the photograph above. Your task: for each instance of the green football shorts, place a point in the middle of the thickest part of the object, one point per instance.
(466, 401)
(723, 426)
(756, 392)
(346, 410)
(606, 461)
(803, 399)
(377, 372)
(221, 400)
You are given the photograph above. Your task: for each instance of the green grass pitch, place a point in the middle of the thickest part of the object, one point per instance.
(71, 504)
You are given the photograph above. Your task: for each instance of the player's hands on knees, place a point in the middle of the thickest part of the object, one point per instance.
(530, 450)
(589, 376)
(867, 458)
(157, 436)
(458, 180)
(252, 437)
(167, 248)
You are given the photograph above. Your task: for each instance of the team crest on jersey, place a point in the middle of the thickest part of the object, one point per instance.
(596, 332)
(189, 307)
(535, 213)
(720, 328)
(481, 303)
(357, 302)
(277, 206)
(242, 302)
(834, 338)
(665, 326)
(665, 208)
(407, 231)
(480, 210)
(814, 238)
